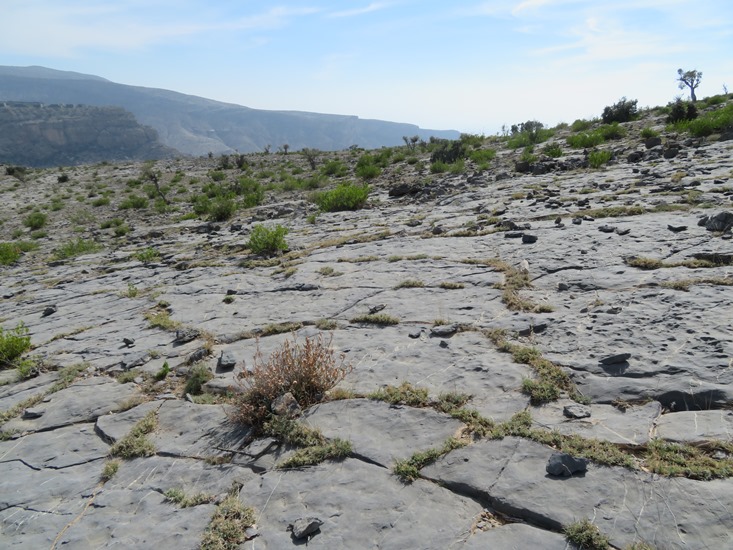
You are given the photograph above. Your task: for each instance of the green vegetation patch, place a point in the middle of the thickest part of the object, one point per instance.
(13, 344)
(136, 443)
(347, 196)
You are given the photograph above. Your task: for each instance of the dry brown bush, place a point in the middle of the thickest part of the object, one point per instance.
(306, 370)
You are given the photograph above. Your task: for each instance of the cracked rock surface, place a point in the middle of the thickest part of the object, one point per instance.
(647, 346)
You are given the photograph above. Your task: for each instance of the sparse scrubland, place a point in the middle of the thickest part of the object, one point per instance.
(179, 328)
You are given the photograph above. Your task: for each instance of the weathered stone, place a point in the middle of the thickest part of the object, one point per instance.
(565, 465)
(576, 411)
(304, 527)
(615, 359)
(723, 221)
(286, 405)
(226, 361)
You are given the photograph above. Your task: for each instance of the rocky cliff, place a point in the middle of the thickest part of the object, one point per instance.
(36, 134)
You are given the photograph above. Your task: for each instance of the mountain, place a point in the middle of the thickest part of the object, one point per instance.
(41, 135)
(196, 125)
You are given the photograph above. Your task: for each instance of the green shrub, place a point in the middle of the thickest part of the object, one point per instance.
(347, 196)
(221, 209)
(581, 125)
(622, 111)
(528, 133)
(147, 255)
(709, 123)
(438, 167)
(217, 175)
(368, 171)
(76, 247)
(612, 131)
(596, 159)
(552, 150)
(482, 156)
(680, 111)
(35, 220)
(10, 252)
(101, 201)
(267, 241)
(134, 201)
(197, 377)
(585, 140)
(13, 344)
(585, 535)
(647, 133)
(447, 151)
(335, 168)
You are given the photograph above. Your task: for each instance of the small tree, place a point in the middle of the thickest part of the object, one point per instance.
(691, 79)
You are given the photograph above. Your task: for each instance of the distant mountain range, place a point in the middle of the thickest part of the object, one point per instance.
(197, 126)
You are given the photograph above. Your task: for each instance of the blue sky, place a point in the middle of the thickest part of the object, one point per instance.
(465, 65)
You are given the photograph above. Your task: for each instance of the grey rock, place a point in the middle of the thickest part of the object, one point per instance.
(185, 335)
(49, 310)
(723, 221)
(529, 239)
(565, 465)
(304, 527)
(444, 331)
(676, 228)
(197, 355)
(606, 229)
(695, 426)
(226, 361)
(576, 411)
(286, 405)
(615, 359)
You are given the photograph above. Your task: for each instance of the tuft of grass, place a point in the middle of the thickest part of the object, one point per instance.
(586, 535)
(382, 319)
(408, 469)
(136, 443)
(410, 283)
(13, 344)
(359, 259)
(642, 262)
(335, 449)
(161, 319)
(76, 247)
(197, 377)
(514, 281)
(110, 469)
(326, 324)
(685, 284)
(404, 394)
(35, 220)
(280, 328)
(179, 497)
(18, 408)
(10, 252)
(147, 255)
(596, 159)
(228, 526)
(67, 376)
(450, 285)
(675, 459)
(612, 211)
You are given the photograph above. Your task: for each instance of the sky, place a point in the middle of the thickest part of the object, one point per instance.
(471, 66)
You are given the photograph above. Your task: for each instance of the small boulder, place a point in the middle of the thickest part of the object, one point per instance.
(576, 410)
(286, 405)
(565, 465)
(721, 222)
(226, 361)
(303, 527)
(615, 359)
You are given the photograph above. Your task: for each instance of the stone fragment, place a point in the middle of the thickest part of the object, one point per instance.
(286, 405)
(444, 331)
(197, 355)
(721, 222)
(185, 335)
(607, 229)
(676, 228)
(624, 231)
(615, 359)
(129, 342)
(565, 465)
(576, 410)
(302, 527)
(226, 361)
(49, 310)
(529, 239)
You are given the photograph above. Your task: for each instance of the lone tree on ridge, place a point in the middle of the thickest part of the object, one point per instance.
(691, 79)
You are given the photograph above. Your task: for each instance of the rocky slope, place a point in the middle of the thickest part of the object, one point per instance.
(38, 135)
(198, 126)
(602, 279)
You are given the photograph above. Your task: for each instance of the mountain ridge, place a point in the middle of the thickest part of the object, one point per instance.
(197, 126)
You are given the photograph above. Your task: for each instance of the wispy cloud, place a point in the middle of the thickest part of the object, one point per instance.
(45, 28)
(374, 6)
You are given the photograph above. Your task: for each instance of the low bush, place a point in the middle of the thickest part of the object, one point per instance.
(35, 220)
(596, 159)
(448, 152)
(680, 111)
(10, 252)
(13, 344)
(221, 209)
(197, 377)
(306, 370)
(623, 111)
(584, 140)
(347, 196)
(710, 123)
(266, 241)
(77, 247)
(581, 125)
(134, 201)
(335, 169)
(585, 534)
(552, 150)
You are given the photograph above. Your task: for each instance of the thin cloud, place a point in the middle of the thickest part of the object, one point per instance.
(374, 6)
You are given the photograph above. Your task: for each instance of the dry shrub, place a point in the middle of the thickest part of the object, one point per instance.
(306, 370)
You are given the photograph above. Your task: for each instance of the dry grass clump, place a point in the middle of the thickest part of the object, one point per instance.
(307, 370)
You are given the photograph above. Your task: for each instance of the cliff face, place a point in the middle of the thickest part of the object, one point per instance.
(35, 134)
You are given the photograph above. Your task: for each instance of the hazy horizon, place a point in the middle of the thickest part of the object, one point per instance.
(467, 66)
